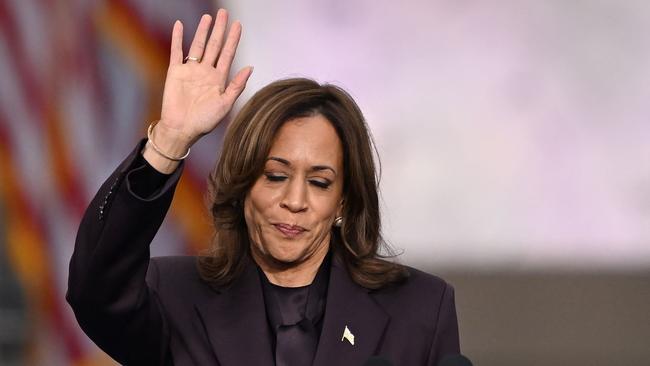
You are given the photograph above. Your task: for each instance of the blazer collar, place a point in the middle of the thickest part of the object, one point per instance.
(349, 305)
(235, 321)
(236, 324)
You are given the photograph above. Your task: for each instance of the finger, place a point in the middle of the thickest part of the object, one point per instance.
(215, 42)
(198, 43)
(237, 84)
(228, 53)
(176, 51)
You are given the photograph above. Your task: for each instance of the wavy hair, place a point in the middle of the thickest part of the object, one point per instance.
(358, 242)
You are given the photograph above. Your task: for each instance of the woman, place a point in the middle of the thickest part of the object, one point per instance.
(294, 276)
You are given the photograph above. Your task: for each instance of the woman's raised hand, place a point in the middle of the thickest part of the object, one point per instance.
(197, 93)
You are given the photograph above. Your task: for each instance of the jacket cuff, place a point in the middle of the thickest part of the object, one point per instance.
(142, 180)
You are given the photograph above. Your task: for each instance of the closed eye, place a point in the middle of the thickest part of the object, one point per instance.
(320, 184)
(275, 177)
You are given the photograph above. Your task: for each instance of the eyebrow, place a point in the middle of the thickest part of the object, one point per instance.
(313, 168)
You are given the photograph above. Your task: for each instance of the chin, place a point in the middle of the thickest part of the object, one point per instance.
(286, 256)
(286, 253)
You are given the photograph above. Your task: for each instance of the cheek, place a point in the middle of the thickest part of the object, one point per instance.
(253, 221)
(257, 205)
(330, 205)
(328, 210)
(248, 212)
(252, 213)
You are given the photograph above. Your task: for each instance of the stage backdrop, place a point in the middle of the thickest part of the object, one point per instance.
(511, 133)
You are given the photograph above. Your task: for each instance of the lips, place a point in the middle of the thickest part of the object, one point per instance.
(291, 231)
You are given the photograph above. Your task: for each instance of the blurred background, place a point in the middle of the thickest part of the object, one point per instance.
(514, 139)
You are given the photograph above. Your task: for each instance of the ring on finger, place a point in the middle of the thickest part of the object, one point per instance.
(192, 58)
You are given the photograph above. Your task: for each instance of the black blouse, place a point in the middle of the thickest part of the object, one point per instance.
(295, 316)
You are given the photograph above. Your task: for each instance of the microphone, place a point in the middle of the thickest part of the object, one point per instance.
(377, 361)
(455, 360)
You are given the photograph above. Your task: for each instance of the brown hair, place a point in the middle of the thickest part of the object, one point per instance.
(248, 140)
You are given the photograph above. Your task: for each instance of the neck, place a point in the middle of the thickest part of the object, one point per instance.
(292, 274)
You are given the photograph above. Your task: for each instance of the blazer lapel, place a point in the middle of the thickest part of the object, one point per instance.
(235, 320)
(349, 305)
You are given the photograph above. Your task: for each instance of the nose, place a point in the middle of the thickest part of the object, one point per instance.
(295, 196)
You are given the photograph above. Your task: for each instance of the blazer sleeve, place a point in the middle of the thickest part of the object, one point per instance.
(445, 340)
(107, 289)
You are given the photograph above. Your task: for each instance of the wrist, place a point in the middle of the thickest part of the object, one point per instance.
(172, 141)
(166, 148)
(157, 161)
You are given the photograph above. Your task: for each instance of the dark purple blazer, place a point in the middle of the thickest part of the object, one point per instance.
(158, 311)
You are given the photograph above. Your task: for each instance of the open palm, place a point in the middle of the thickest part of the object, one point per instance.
(197, 94)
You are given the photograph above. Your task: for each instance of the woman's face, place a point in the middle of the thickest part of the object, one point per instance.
(291, 207)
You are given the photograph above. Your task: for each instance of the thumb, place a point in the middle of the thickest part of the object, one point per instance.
(237, 84)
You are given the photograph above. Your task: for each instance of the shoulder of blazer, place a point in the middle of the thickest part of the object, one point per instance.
(175, 274)
(417, 283)
(419, 297)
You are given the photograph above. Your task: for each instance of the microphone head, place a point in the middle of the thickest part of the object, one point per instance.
(377, 361)
(455, 360)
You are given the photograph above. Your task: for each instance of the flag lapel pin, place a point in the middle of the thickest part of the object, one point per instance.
(348, 335)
